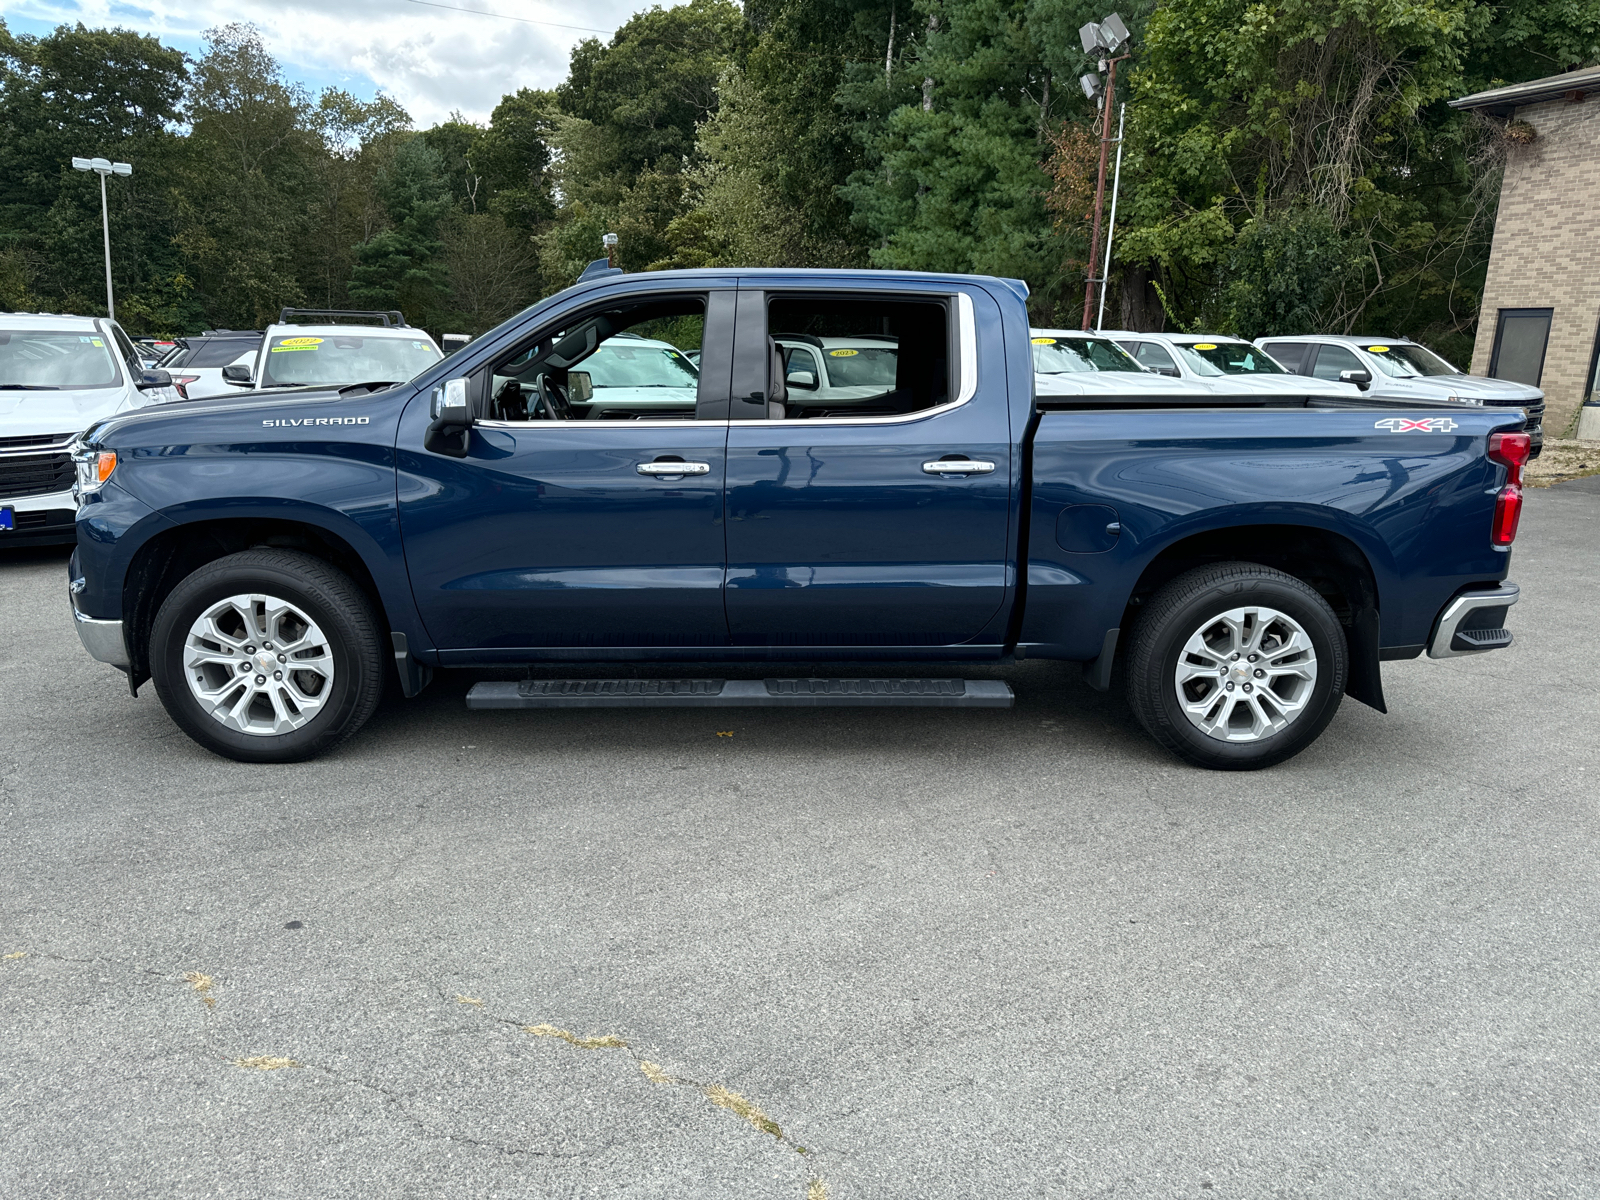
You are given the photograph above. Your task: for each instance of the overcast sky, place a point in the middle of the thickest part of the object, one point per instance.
(432, 60)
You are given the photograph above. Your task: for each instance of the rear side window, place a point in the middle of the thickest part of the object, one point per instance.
(1291, 354)
(884, 357)
(1152, 355)
(219, 352)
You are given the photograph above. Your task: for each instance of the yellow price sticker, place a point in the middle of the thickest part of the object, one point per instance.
(843, 353)
(301, 341)
(1044, 341)
(1205, 345)
(1378, 349)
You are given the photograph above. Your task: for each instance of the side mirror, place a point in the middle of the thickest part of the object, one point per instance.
(1360, 378)
(1169, 372)
(580, 387)
(805, 381)
(451, 429)
(151, 378)
(237, 374)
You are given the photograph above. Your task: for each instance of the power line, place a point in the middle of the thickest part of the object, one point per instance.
(478, 12)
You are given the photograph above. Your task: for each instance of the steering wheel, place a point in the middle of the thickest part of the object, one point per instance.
(553, 400)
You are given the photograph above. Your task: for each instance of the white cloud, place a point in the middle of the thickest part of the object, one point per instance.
(432, 61)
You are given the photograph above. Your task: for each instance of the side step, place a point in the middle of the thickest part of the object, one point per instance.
(743, 693)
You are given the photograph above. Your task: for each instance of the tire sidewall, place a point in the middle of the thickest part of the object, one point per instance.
(1327, 639)
(203, 589)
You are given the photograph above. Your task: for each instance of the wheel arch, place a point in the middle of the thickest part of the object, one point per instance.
(170, 555)
(1332, 563)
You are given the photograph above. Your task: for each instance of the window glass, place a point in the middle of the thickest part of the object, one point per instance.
(218, 352)
(1154, 355)
(623, 364)
(1227, 358)
(130, 354)
(798, 358)
(47, 360)
(1408, 361)
(1519, 344)
(1291, 354)
(340, 359)
(879, 357)
(1333, 359)
(1075, 355)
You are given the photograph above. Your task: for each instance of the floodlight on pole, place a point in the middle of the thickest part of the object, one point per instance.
(103, 167)
(1101, 38)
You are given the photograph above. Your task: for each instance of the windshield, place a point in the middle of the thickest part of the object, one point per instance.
(51, 359)
(1073, 356)
(862, 366)
(617, 364)
(339, 359)
(1226, 358)
(1408, 362)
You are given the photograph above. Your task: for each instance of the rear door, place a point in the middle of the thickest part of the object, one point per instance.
(881, 521)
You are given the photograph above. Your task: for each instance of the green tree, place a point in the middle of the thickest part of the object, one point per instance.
(400, 266)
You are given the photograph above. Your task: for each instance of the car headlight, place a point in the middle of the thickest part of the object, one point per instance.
(94, 468)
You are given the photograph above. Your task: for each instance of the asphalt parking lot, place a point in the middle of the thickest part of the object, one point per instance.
(767, 953)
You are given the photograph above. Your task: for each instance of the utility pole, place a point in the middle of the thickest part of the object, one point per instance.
(1111, 231)
(609, 241)
(103, 167)
(1105, 36)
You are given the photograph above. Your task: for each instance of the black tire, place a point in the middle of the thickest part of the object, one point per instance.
(1180, 610)
(326, 595)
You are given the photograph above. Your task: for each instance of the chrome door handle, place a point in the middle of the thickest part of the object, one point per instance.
(962, 466)
(673, 468)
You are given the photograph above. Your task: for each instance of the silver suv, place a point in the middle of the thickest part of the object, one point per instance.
(1400, 369)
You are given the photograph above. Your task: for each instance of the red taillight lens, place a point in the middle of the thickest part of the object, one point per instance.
(1511, 451)
(182, 382)
(1507, 511)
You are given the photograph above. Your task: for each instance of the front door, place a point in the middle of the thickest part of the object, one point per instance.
(880, 519)
(586, 517)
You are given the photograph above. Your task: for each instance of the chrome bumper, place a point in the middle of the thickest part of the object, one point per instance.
(1487, 632)
(102, 639)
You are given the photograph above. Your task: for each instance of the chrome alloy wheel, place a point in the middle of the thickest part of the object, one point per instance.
(1246, 674)
(258, 664)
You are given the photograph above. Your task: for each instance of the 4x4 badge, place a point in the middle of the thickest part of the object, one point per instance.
(1408, 425)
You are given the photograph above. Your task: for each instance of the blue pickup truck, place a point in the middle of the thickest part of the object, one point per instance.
(572, 488)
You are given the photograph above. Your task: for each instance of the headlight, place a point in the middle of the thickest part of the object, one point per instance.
(94, 468)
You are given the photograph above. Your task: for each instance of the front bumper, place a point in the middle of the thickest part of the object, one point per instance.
(102, 639)
(1473, 622)
(40, 520)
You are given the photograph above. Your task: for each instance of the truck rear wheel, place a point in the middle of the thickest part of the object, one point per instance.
(267, 656)
(1236, 666)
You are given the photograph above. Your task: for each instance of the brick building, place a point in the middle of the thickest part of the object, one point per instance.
(1540, 321)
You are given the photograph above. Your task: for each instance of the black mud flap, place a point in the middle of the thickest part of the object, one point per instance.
(1365, 679)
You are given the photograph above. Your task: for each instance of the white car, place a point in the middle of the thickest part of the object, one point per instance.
(624, 378)
(1400, 369)
(838, 371)
(1225, 365)
(58, 376)
(336, 354)
(1070, 362)
(196, 363)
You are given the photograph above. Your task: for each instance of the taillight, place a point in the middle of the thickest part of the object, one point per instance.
(1511, 451)
(182, 382)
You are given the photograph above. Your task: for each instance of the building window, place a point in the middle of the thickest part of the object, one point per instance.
(1592, 392)
(1519, 343)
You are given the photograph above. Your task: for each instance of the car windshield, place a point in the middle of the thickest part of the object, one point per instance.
(49, 359)
(619, 364)
(1226, 358)
(862, 366)
(1074, 356)
(336, 359)
(1409, 361)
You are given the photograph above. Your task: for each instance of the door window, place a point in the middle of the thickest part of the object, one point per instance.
(1333, 359)
(1291, 354)
(1156, 358)
(1520, 338)
(625, 363)
(884, 357)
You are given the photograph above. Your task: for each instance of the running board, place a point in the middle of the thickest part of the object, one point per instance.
(743, 693)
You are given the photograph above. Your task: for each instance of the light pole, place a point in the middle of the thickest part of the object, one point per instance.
(1103, 37)
(103, 167)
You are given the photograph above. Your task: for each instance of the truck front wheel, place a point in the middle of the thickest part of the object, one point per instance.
(267, 656)
(1236, 666)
